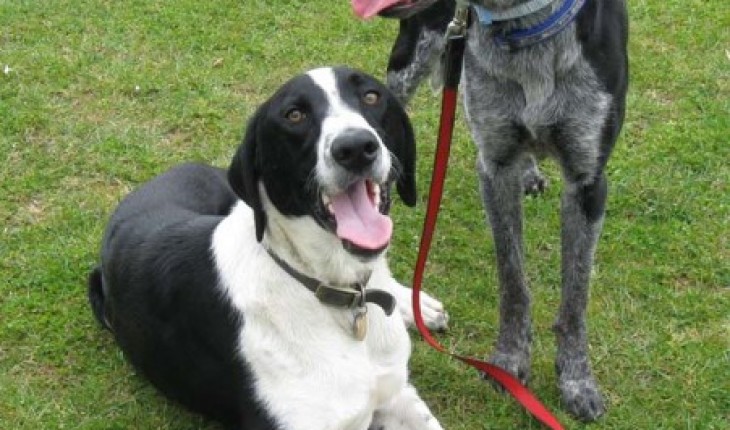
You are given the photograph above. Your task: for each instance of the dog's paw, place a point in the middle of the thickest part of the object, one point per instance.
(533, 182)
(578, 387)
(406, 411)
(406, 422)
(518, 365)
(434, 315)
(582, 398)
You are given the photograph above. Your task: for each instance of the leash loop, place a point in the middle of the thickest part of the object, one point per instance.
(455, 44)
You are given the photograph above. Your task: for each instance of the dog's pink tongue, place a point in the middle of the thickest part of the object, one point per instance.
(369, 8)
(358, 221)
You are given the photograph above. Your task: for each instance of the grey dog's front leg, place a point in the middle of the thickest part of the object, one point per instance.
(501, 187)
(582, 219)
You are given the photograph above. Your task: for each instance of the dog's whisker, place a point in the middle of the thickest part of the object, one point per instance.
(311, 184)
(396, 168)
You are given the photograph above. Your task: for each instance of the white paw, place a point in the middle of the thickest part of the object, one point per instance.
(408, 422)
(432, 310)
(406, 411)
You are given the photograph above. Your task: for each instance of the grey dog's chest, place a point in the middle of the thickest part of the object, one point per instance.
(536, 87)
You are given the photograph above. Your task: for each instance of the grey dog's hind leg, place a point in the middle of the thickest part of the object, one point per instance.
(533, 182)
(582, 219)
(501, 187)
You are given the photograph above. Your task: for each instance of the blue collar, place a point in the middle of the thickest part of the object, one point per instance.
(544, 30)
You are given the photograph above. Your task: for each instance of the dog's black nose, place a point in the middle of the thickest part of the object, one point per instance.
(355, 150)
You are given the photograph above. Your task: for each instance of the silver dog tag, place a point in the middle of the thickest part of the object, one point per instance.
(360, 325)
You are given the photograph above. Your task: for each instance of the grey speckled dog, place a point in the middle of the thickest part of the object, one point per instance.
(563, 97)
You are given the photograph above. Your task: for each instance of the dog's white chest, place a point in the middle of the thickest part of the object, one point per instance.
(313, 373)
(310, 371)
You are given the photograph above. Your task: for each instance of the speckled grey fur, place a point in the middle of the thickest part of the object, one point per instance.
(536, 88)
(543, 100)
(428, 51)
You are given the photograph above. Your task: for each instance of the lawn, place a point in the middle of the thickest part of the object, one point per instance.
(98, 96)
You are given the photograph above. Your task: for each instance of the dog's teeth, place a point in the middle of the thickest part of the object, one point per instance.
(376, 194)
(330, 209)
(326, 200)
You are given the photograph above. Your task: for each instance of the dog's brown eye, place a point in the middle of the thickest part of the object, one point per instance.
(295, 116)
(371, 98)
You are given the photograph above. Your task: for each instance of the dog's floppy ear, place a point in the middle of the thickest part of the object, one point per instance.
(243, 175)
(403, 147)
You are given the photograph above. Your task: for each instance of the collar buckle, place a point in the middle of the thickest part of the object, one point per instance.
(348, 296)
(340, 296)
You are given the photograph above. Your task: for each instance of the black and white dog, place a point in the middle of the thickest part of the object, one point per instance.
(540, 77)
(261, 298)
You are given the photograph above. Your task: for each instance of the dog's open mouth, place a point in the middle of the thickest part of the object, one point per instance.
(389, 8)
(359, 216)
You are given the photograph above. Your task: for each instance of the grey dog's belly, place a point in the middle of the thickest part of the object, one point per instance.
(515, 101)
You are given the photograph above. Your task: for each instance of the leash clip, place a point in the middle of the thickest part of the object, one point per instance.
(458, 25)
(453, 55)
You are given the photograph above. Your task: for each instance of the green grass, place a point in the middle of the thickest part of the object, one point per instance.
(103, 95)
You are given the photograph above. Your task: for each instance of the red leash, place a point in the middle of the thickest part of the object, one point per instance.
(454, 55)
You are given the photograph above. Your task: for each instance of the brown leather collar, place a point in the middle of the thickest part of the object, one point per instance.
(347, 296)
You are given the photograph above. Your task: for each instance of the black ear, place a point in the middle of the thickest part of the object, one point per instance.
(403, 147)
(243, 175)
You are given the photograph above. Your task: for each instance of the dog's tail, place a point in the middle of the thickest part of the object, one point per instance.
(96, 296)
